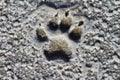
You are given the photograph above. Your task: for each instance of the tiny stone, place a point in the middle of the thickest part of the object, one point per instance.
(88, 65)
(80, 23)
(78, 79)
(60, 67)
(63, 72)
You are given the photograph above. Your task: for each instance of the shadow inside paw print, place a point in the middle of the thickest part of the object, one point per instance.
(57, 55)
(53, 23)
(53, 26)
(75, 34)
(58, 48)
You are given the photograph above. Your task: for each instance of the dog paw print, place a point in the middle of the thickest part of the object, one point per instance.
(58, 47)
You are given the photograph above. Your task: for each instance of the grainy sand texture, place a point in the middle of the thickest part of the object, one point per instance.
(44, 40)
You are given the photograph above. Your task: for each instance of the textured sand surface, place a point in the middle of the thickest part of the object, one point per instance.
(96, 56)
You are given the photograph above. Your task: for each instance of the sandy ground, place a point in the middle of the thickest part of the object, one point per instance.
(96, 56)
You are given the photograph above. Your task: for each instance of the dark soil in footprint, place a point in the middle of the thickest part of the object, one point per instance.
(57, 55)
(75, 34)
(58, 49)
(41, 35)
(66, 22)
(74, 37)
(53, 23)
(64, 28)
(52, 26)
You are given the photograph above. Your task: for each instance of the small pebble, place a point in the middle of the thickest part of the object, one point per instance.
(88, 65)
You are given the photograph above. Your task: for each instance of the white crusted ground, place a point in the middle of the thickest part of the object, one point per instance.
(95, 57)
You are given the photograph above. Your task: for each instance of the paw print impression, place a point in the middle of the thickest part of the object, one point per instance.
(41, 34)
(58, 48)
(53, 23)
(66, 22)
(76, 32)
(60, 34)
